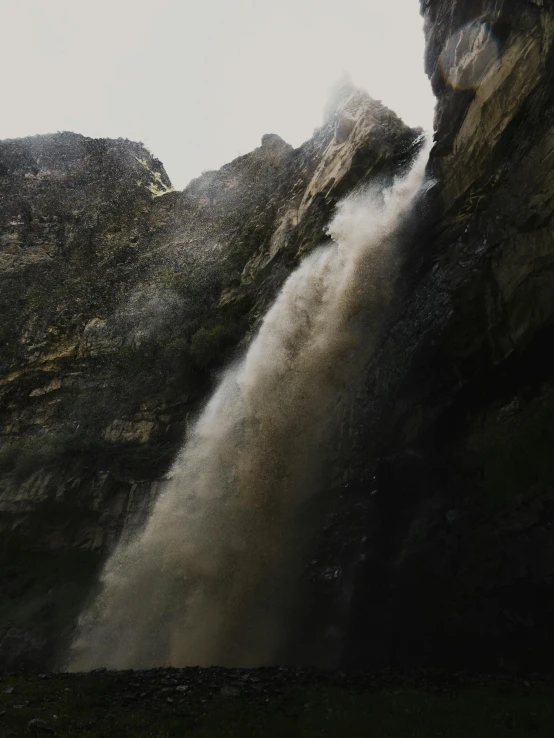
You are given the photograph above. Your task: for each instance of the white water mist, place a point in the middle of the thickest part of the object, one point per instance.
(202, 582)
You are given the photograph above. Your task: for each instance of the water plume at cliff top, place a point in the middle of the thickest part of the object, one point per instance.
(205, 580)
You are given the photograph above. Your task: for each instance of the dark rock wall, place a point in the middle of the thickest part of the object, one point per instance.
(449, 555)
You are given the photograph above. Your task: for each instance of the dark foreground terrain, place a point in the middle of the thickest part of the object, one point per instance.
(274, 702)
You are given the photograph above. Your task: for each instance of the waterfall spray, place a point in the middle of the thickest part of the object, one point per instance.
(200, 583)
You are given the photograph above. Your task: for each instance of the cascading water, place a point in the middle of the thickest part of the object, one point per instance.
(200, 583)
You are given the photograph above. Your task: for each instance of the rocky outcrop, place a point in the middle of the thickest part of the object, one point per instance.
(120, 298)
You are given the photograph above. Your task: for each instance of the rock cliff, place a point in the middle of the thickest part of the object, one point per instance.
(445, 527)
(121, 299)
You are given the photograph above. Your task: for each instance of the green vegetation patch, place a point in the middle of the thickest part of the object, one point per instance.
(27, 454)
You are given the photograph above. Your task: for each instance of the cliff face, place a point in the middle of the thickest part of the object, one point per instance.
(120, 299)
(449, 505)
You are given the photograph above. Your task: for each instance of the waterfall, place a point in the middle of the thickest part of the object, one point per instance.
(202, 583)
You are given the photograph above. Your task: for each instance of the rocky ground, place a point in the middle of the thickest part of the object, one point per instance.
(275, 701)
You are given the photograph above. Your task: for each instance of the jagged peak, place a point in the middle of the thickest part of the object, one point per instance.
(274, 141)
(66, 152)
(343, 96)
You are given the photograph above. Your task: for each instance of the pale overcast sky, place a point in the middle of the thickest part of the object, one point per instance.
(200, 82)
